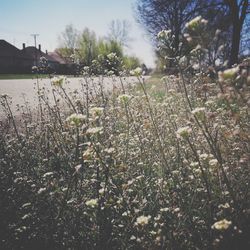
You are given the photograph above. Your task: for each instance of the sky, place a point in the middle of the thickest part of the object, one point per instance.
(48, 18)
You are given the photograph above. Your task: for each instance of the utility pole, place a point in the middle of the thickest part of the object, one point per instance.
(35, 35)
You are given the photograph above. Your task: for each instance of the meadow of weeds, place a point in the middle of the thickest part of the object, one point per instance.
(160, 165)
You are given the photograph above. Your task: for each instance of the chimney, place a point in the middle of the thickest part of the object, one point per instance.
(39, 47)
(46, 51)
(23, 45)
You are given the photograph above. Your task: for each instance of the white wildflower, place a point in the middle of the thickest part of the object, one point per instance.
(109, 150)
(195, 23)
(34, 68)
(213, 163)
(124, 98)
(204, 157)
(199, 113)
(96, 111)
(136, 72)
(95, 130)
(164, 34)
(110, 73)
(143, 220)
(76, 119)
(41, 190)
(228, 74)
(184, 132)
(101, 191)
(92, 203)
(177, 210)
(132, 237)
(165, 209)
(111, 56)
(125, 213)
(224, 206)
(58, 80)
(222, 225)
(194, 164)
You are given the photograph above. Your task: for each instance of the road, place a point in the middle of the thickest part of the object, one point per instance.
(26, 89)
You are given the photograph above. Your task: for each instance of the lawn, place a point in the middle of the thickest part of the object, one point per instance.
(20, 76)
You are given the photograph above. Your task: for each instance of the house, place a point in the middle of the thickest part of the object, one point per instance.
(16, 61)
(64, 66)
(35, 54)
(13, 60)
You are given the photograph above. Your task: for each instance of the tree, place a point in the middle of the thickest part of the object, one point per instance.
(131, 62)
(87, 48)
(227, 15)
(157, 15)
(100, 54)
(238, 13)
(119, 32)
(68, 41)
(110, 55)
(245, 38)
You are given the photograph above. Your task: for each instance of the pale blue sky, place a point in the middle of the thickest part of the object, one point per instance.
(48, 18)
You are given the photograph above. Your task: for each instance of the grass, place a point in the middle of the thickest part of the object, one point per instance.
(20, 76)
(29, 76)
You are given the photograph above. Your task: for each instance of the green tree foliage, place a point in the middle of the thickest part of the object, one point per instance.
(87, 49)
(131, 62)
(106, 47)
(100, 54)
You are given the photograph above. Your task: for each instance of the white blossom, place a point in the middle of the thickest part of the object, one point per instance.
(143, 220)
(76, 119)
(92, 203)
(184, 132)
(136, 72)
(58, 80)
(222, 225)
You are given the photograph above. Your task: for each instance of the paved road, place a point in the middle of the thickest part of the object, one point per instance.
(21, 90)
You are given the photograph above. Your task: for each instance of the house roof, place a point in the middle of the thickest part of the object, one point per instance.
(30, 53)
(33, 52)
(57, 57)
(7, 50)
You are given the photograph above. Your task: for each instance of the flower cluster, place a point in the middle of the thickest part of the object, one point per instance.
(143, 220)
(222, 225)
(136, 72)
(76, 119)
(228, 74)
(58, 81)
(184, 132)
(124, 98)
(92, 203)
(199, 113)
(164, 34)
(96, 111)
(196, 23)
